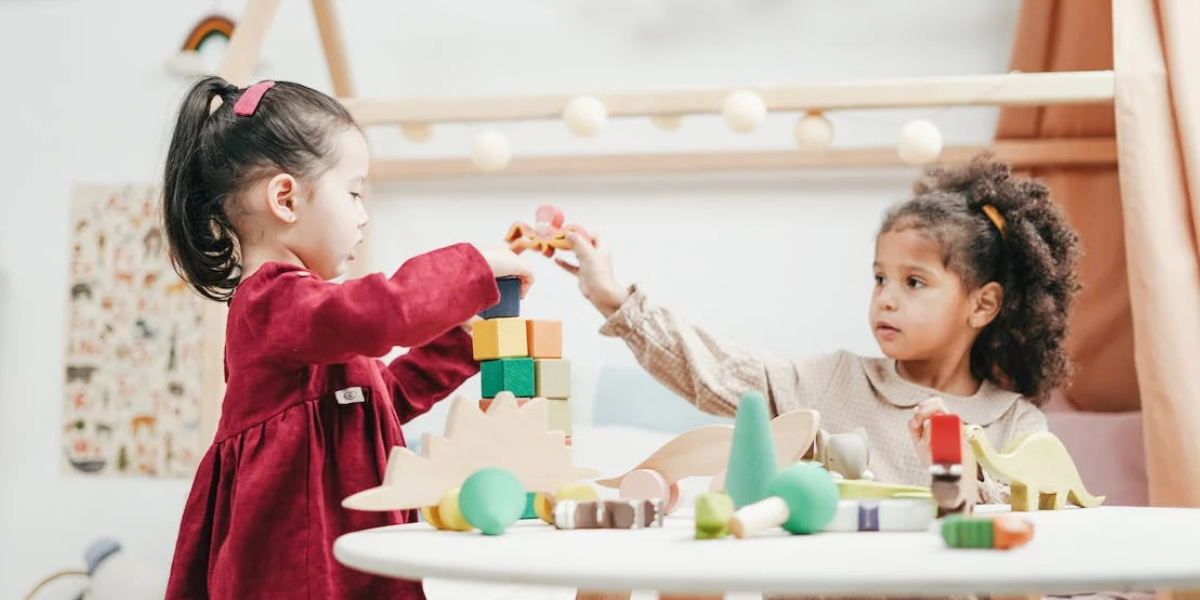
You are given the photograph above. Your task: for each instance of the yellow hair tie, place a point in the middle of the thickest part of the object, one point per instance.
(995, 217)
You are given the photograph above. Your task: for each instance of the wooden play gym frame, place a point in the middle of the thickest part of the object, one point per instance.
(1011, 89)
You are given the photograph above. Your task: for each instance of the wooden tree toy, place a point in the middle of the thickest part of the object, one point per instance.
(752, 460)
(546, 235)
(953, 473)
(705, 452)
(1038, 469)
(1001, 532)
(802, 498)
(507, 436)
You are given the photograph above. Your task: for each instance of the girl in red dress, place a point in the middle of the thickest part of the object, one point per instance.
(262, 207)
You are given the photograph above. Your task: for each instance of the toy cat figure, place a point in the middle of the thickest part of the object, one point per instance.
(844, 455)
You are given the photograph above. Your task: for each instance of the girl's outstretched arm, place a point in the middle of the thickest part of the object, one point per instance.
(708, 372)
(309, 321)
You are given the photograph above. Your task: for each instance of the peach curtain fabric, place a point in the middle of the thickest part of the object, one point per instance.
(1076, 35)
(1136, 330)
(1156, 52)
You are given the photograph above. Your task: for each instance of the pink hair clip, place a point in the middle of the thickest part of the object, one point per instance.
(247, 103)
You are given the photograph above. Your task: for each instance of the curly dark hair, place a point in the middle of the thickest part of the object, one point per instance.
(1034, 259)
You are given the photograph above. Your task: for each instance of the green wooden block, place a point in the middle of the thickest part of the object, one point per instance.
(513, 375)
(967, 532)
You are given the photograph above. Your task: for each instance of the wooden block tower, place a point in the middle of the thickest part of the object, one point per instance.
(523, 356)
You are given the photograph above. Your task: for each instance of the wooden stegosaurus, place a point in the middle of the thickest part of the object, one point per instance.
(509, 435)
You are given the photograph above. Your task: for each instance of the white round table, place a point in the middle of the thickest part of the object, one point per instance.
(1072, 551)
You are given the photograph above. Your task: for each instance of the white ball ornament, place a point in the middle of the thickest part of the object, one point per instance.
(491, 151)
(585, 116)
(920, 142)
(744, 111)
(813, 132)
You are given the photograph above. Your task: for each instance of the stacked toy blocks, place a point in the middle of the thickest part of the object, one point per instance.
(522, 356)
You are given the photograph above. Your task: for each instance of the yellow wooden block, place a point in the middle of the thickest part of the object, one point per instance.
(552, 378)
(500, 338)
(560, 415)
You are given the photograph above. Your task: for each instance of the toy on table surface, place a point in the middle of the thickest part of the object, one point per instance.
(1000, 532)
(546, 235)
(608, 514)
(508, 436)
(705, 452)
(893, 514)
(523, 357)
(801, 498)
(953, 473)
(844, 455)
(1038, 469)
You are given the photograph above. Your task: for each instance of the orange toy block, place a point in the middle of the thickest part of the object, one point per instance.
(486, 403)
(545, 338)
(560, 415)
(500, 338)
(552, 378)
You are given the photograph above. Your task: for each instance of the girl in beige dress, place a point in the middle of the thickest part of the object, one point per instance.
(975, 276)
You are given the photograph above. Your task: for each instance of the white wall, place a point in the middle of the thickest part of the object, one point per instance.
(777, 261)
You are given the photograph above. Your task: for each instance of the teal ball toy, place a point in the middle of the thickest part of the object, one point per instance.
(811, 495)
(491, 500)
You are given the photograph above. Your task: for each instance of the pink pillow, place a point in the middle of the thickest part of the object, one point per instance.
(1107, 449)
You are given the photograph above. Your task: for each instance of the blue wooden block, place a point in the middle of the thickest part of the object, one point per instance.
(510, 300)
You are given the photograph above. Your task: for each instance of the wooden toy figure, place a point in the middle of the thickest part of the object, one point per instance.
(1038, 469)
(802, 499)
(953, 472)
(547, 234)
(1002, 532)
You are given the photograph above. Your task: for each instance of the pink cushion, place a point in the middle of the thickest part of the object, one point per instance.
(1107, 449)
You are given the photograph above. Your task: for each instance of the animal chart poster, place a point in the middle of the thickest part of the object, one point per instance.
(134, 341)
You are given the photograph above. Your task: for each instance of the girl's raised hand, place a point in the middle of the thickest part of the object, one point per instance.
(595, 273)
(918, 426)
(506, 264)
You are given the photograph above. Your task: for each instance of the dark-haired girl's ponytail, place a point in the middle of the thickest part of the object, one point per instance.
(203, 248)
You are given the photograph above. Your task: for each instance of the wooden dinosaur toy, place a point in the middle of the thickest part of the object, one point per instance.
(510, 435)
(1037, 467)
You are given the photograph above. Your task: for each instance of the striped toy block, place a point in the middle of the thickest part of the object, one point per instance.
(499, 338)
(545, 338)
(552, 377)
(507, 375)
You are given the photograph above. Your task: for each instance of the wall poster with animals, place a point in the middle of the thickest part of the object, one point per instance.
(134, 342)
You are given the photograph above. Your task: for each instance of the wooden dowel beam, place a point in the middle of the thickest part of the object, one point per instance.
(1011, 89)
(330, 30)
(1021, 154)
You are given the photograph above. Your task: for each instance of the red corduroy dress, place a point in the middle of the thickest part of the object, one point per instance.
(309, 418)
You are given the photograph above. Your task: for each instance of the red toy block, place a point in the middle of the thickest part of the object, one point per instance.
(945, 439)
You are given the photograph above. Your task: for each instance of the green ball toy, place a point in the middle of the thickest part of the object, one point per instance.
(491, 500)
(811, 495)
